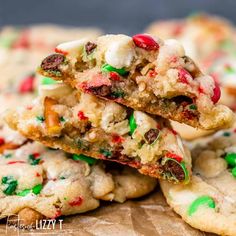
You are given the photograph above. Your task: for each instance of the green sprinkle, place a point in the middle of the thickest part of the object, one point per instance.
(203, 200)
(233, 171)
(82, 157)
(32, 160)
(65, 198)
(11, 184)
(8, 155)
(62, 119)
(24, 192)
(193, 107)
(231, 159)
(62, 177)
(37, 189)
(105, 152)
(118, 94)
(132, 124)
(109, 68)
(47, 80)
(226, 134)
(40, 119)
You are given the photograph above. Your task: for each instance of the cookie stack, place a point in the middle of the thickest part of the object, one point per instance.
(111, 99)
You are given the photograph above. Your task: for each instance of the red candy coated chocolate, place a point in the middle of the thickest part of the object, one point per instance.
(145, 41)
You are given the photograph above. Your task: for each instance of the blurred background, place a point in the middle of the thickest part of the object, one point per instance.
(123, 16)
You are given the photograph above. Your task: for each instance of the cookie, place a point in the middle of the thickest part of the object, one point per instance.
(208, 202)
(143, 73)
(37, 182)
(82, 123)
(200, 33)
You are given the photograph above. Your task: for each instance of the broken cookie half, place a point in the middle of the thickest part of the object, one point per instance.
(143, 73)
(84, 124)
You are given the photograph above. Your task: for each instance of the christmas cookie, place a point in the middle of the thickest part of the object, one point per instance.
(143, 73)
(82, 123)
(37, 182)
(208, 203)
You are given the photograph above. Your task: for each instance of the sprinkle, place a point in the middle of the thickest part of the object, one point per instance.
(62, 177)
(41, 119)
(132, 124)
(201, 201)
(152, 73)
(105, 152)
(2, 141)
(81, 116)
(174, 156)
(77, 202)
(82, 157)
(193, 107)
(8, 155)
(230, 158)
(117, 94)
(33, 159)
(15, 162)
(62, 119)
(109, 68)
(37, 174)
(37, 189)
(11, 184)
(227, 134)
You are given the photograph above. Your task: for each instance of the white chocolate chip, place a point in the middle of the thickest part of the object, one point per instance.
(141, 86)
(92, 135)
(175, 46)
(120, 53)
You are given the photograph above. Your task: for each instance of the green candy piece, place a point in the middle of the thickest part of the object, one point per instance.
(11, 184)
(203, 200)
(231, 159)
(47, 80)
(193, 107)
(82, 157)
(109, 68)
(183, 166)
(24, 192)
(37, 189)
(105, 152)
(40, 119)
(132, 124)
(233, 171)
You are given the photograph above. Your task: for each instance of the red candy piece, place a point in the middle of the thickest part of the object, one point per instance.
(2, 141)
(114, 76)
(77, 202)
(217, 93)
(27, 85)
(145, 41)
(117, 139)
(183, 76)
(82, 116)
(60, 51)
(174, 156)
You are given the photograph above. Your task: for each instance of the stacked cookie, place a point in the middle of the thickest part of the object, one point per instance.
(111, 99)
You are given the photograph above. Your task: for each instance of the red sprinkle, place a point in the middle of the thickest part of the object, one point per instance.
(57, 214)
(37, 174)
(200, 90)
(117, 138)
(217, 93)
(36, 155)
(27, 85)
(114, 76)
(2, 141)
(15, 162)
(77, 202)
(152, 73)
(60, 51)
(145, 41)
(174, 156)
(82, 116)
(184, 75)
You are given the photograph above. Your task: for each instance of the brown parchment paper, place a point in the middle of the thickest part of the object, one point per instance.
(148, 216)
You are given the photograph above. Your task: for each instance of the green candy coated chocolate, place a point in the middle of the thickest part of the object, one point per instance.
(37, 189)
(47, 80)
(82, 157)
(231, 159)
(233, 171)
(132, 124)
(200, 201)
(24, 192)
(109, 68)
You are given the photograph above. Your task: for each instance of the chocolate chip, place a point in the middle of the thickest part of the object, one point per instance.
(52, 62)
(175, 169)
(151, 135)
(89, 47)
(103, 90)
